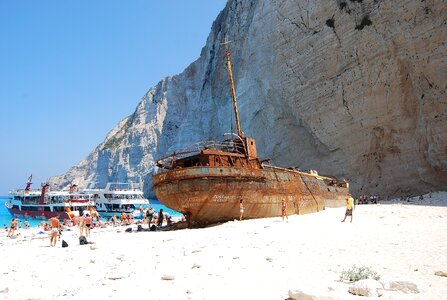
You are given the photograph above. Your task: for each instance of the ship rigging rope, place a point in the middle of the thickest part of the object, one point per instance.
(316, 202)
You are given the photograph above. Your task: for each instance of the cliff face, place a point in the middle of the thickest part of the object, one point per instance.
(354, 89)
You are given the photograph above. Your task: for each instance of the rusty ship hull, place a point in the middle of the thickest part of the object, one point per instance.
(212, 194)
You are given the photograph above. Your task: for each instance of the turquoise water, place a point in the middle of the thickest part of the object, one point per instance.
(5, 216)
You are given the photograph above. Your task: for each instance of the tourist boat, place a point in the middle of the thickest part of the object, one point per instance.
(209, 184)
(45, 204)
(117, 198)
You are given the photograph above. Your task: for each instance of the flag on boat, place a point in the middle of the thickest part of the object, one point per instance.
(28, 183)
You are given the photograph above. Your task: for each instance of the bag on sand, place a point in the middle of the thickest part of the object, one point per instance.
(153, 228)
(129, 229)
(64, 244)
(83, 240)
(140, 228)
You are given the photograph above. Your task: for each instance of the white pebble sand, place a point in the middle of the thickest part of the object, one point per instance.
(252, 259)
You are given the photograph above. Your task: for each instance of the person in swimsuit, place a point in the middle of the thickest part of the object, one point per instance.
(160, 218)
(12, 227)
(113, 219)
(241, 210)
(81, 224)
(284, 209)
(55, 226)
(88, 225)
(150, 215)
(124, 219)
(349, 207)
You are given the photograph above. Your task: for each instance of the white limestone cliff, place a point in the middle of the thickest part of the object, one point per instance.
(354, 89)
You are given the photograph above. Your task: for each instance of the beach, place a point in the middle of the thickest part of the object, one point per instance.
(249, 259)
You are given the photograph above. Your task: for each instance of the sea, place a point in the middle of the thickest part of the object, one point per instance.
(5, 216)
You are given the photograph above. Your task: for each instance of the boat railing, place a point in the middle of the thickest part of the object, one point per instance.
(179, 153)
(292, 170)
(227, 145)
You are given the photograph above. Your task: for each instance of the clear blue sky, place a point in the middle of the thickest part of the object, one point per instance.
(71, 70)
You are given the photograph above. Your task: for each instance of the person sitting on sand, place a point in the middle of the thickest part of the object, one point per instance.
(168, 219)
(12, 227)
(349, 207)
(55, 226)
(241, 210)
(113, 220)
(123, 219)
(160, 218)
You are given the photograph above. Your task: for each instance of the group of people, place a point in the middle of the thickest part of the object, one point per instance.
(14, 225)
(150, 218)
(365, 199)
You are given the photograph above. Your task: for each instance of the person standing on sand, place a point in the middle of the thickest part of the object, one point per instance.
(349, 207)
(160, 218)
(55, 225)
(81, 224)
(241, 210)
(88, 225)
(284, 209)
(12, 227)
(150, 215)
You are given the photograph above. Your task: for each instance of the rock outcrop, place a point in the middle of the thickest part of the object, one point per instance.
(354, 89)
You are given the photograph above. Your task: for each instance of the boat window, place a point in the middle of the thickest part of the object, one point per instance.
(58, 208)
(15, 206)
(46, 208)
(30, 208)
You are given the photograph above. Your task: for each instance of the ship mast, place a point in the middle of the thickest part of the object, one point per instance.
(233, 93)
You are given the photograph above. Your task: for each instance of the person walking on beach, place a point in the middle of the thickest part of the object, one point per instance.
(55, 226)
(349, 207)
(284, 210)
(12, 227)
(160, 218)
(81, 224)
(26, 224)
(88, 225)
(241, 210)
